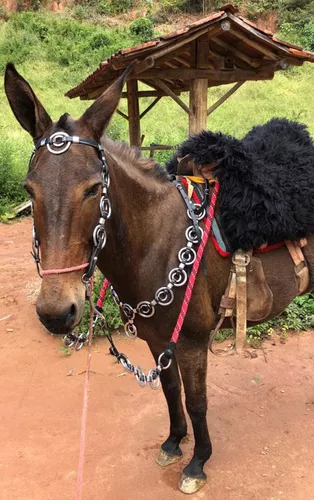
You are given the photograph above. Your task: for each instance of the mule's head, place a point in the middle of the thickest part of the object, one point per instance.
(65, 190)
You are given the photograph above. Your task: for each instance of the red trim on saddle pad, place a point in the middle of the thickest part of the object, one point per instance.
(221, 252)
(269, 248)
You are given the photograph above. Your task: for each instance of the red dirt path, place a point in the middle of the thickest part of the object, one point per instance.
(261, 415)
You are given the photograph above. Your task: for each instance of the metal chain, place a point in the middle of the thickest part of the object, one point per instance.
(177, 277)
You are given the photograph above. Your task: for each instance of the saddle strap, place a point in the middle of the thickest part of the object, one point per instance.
(300, 266)
(240, 261)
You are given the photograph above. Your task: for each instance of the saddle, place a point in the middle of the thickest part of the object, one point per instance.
(247, 296)
(266, 181)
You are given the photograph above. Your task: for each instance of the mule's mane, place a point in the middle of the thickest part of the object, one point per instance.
(132, 156)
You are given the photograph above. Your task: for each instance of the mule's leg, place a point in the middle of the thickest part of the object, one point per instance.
(192, 358)
(170, 450)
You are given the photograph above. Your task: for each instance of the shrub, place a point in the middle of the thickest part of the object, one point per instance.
(142, 28)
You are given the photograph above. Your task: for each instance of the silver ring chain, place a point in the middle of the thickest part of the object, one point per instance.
(164, 296)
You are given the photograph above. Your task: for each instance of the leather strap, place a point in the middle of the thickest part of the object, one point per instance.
(241, 260)
(300, 266)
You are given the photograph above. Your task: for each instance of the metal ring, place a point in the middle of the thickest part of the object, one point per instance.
(99, 236)
(140, 376)
(191, 235)
(126, 363)
(106, 180)
(115, 296)
(69, 340)
(178, 277)
(164, 296)
(105, 207)
(153, 379)
(130, 329)
(128, 311)
(160, 363)
(145, 309)
(198, 210)
(187, 256)
(244, 259)
(64, 143)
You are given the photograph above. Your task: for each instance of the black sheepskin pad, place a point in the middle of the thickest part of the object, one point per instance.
(267, 181)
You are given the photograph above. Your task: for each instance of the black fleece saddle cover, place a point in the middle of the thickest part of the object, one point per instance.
(267, 181)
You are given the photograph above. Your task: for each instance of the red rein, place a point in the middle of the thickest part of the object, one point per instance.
(190, 285)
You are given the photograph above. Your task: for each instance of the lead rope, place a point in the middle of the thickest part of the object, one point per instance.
(80, 470)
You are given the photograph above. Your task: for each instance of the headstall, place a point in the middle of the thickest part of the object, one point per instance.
(57, 144)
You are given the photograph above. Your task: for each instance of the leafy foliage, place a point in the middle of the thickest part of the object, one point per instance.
(110, 311)
(143, 28)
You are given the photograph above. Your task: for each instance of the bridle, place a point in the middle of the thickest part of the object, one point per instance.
(58, 143)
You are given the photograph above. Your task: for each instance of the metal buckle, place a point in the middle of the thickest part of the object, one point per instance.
(60, 141)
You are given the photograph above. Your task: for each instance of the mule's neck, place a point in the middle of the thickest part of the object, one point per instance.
(146, 221)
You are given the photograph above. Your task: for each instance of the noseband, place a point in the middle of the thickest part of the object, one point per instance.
(58, 143)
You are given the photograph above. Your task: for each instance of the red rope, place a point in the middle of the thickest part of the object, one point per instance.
(102, 293)
(64, 270)
(85, 405)
(192, 278)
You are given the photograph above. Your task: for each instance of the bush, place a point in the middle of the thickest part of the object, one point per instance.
(114, 7)
(142, 28)
(11, 175)
(110, 311)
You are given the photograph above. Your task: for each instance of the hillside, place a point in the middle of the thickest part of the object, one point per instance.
(56, 50)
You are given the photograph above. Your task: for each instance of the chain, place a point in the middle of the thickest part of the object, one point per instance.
(177, 277)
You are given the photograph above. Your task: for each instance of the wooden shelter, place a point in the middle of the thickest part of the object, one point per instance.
(219, 49)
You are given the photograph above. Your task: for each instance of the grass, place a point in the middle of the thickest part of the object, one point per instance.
(32, 41)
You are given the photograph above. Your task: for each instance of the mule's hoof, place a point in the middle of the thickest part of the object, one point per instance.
(164, 459)
(191, 485)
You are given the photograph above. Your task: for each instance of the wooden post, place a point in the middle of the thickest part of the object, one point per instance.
(198, 91)
(133, 113)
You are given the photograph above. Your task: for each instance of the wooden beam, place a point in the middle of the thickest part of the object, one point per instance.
(142, 65)
(251, 61)
(224, 76)
(255, 45)
(165, 87)
(208, 30)
(122, 114)
(134, 114)
(198, 91)
(257, 35)
(156, 147)
(149, 107)
(150, 93)
(224, 98)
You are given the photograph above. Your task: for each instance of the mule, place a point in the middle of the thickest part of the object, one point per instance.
(144, 233)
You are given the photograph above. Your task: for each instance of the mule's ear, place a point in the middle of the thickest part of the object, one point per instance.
(27, 109)
(98, 115)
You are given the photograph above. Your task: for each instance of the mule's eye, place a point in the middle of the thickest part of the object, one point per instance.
(92, 191)
(29, 191)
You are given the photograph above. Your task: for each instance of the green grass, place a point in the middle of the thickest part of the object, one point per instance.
(54, 53)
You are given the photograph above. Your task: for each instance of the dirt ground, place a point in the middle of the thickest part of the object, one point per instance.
(261, 415)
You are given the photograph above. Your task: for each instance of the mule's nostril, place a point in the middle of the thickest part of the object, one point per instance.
(56, 320)
(72, 314)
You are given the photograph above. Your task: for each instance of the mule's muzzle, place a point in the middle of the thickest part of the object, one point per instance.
(61, 323)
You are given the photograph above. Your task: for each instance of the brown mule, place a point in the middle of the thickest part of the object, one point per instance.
(144, 233)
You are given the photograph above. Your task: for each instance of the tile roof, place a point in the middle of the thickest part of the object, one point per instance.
(239, 38)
